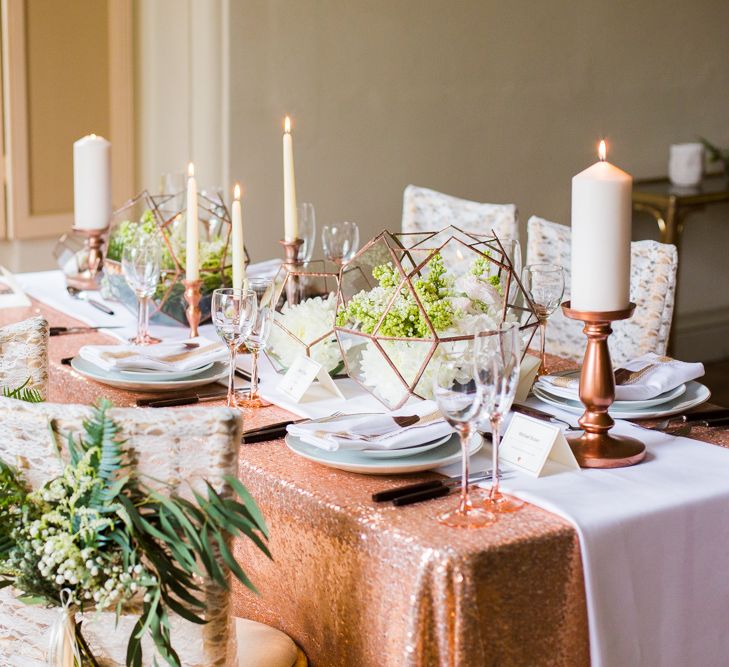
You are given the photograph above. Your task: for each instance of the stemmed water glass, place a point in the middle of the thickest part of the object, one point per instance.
(307, 230)
(496, 363)
(141, 259)
(234, 313)
(459, 400)
(257, 339)
(340, 241)
(545, 285)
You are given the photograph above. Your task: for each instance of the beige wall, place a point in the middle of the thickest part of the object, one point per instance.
(489, 100)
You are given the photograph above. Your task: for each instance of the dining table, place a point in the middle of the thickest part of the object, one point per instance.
(355, 582)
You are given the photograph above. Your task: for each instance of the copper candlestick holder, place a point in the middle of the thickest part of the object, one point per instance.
(291, 261)
(596, 447)
(192, 297)
(93, 244)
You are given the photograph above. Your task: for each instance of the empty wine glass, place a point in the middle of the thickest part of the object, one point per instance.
(545, 285)
(233, 312)
(340, 241)
(141, 260)
(497, 359)
(307, 230)
(459, 400)
(257, 339)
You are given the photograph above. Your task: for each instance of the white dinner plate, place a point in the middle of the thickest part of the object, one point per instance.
(405, 451)
(449, 452)
(163, 376)
(217, 371)
(563, 392)
(696, 393)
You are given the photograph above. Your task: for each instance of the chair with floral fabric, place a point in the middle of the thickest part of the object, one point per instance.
(181, 448)
(425, 210)
(653, 269)
(24, 355)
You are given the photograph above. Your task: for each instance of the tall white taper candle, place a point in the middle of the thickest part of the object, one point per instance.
(291, 222)
(601, 226)
(239, 267)
(192, 253)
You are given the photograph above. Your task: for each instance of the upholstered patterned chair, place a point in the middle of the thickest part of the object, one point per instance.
(24, 355)
(181, 447)
(425, 210)
(652, 288)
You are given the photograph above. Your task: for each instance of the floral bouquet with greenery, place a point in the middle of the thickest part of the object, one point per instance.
(98, 538)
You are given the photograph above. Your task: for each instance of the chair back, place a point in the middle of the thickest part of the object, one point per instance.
(653, 269)
(425, 210)
(24, 355)
(181, 448)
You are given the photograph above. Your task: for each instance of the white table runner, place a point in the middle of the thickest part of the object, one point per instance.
(654, 537)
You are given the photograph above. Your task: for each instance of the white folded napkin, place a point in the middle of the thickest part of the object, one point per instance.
(325, 435)
(651, 376)
(172, 357)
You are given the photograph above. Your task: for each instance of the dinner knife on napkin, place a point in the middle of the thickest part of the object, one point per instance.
(171, 402)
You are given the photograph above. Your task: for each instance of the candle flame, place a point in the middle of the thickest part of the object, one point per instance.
(287, 125)
(190, 169)
(602, 151)
(236, 191)
(92, 135)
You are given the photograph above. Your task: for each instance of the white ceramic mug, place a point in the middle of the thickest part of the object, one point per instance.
(685, 164)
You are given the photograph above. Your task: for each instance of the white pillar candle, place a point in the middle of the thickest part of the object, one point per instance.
(239, 266)
(91, 182)
(291, 222)
(192, 253)
(601, 226)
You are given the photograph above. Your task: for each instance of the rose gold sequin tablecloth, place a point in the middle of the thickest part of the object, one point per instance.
(358, 584)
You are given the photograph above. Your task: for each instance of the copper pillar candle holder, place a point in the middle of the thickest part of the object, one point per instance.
(596, 447)
(192, 298)
(93, 244)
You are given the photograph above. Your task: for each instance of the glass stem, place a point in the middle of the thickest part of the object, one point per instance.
(543, 337)
(142, 314)
(254, 374)
(233, 348)
(495, 437)
(465, 434)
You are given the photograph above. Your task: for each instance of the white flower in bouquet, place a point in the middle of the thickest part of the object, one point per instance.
(306, 321)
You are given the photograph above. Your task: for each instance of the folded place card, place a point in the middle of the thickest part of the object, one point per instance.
(529, 443)
(527, 375)
(11, 296)
(302, 376)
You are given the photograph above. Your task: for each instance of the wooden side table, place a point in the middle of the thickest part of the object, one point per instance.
(670, 205)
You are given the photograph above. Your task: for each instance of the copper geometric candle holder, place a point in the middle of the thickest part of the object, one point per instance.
(291, 261)
(596, 447)
(192, 298)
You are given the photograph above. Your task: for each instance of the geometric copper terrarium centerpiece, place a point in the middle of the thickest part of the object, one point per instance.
(306, 297)
(167, 213)
(405, 299)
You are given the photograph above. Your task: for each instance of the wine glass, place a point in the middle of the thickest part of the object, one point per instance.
(307, 230)
(257, 339)
(141, 259)
(459, 400)
(497, 359)
(545, 285)
(340, 241)
(234, 313)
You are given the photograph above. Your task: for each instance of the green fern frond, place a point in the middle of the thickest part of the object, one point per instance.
(23, 393)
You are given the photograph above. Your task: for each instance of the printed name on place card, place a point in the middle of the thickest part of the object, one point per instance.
(301, 376)
(529, 443)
